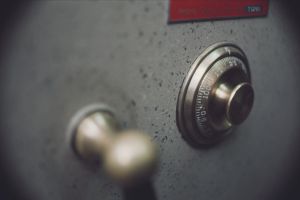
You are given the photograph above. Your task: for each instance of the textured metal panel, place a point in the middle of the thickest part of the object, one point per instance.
(62, 55)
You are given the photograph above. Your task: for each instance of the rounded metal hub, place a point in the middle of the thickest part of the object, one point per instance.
(216, 95)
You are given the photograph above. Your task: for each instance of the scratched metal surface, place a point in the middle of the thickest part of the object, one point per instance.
(62, 55)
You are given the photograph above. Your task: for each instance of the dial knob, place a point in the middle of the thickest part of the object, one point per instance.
(238, 101)
(129, 156)
(216, 95)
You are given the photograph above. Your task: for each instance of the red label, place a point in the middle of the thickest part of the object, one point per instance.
(188, 10)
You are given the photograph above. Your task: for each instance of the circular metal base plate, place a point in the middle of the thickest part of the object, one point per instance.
(192, 120)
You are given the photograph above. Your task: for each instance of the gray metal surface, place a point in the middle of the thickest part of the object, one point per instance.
(62, 55)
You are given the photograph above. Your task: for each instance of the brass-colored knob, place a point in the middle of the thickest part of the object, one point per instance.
(230, 104)
(129, 156)
(216, 94)
(237, 101)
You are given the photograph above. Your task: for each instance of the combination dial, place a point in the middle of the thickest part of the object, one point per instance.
(216, 95)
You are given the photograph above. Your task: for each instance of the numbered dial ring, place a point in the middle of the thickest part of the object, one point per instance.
(216, 95)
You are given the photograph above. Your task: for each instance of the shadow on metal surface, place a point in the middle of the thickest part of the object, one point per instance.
(144, 191)
(10, 13)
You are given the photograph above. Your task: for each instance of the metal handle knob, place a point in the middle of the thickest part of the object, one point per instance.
(129, 156)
